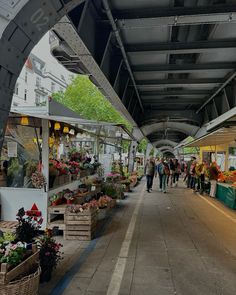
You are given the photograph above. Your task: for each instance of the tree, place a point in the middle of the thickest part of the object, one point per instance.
(84, 98)
(142, 146)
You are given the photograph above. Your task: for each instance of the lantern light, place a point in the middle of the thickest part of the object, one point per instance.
(24, 121)
(72, 132)
(57, 126)
(66, 129)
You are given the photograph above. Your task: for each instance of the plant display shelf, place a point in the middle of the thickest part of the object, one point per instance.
(7, 275)
(56, 214)
(80, 226)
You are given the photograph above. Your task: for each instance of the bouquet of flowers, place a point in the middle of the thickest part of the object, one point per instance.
(28, 226)
(38, 180)
(103, 201)
(113, 177)
(74, 167)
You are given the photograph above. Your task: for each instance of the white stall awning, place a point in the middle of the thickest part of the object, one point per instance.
(223, 135)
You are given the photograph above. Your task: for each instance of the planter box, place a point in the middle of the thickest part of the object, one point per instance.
(80, 226)
(27, 285)
(102, 213)
(112, 204)
(24, 267)
(83, 173)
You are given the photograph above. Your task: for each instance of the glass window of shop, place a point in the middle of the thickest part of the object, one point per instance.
(20, 155)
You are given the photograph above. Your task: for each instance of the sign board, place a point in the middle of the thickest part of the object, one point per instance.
(12, 149)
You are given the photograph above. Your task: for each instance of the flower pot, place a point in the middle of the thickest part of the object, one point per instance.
(51, 181)
(46, 275)
(70, 202)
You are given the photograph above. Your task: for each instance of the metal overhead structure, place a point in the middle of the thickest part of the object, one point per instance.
(158, 62)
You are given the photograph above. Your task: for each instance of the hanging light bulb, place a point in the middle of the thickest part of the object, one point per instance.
(57, 126)
(24, 121)
(72, 132)
(66, 129)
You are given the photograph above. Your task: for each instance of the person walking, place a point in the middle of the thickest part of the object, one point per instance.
(177, 172)
(214, 172)
(172, 171)
(188, 174)
(149, 171)
(193, 175)
(163, 172)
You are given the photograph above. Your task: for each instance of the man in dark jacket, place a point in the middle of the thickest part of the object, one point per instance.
(149, 172)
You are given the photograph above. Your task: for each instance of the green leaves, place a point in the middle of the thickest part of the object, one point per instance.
(83, 97)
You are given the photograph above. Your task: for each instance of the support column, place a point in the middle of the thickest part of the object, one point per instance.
(45, 152)
(132, 155)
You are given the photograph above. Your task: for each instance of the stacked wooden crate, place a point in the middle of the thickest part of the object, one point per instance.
(80, 226)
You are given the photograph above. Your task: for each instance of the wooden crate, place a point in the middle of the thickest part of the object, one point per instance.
(80, 226)
(112, 204)
(21, 269)
(8, 225)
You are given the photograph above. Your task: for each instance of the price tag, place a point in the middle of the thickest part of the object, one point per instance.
(93, 188)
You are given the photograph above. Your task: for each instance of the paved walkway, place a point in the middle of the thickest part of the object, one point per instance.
(174, 243)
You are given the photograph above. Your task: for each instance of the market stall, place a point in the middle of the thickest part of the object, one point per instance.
(219, 146)
(44, 162)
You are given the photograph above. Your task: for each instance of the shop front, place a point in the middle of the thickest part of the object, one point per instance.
(220, 147)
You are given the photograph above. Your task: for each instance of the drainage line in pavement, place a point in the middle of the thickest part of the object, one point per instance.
(65, 281)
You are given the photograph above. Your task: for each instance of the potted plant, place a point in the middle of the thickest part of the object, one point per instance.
(53, 173)
(55, 200)
(49, 255)
(28, 227)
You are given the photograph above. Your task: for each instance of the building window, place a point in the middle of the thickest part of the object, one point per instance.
(37, 99)
(38, 81)
(53, 86)
(26, 77)
(16, 90)
(25, 95)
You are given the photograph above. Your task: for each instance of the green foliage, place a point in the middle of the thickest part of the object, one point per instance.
(14, 256)
(84, 98)
(142, 146)
(151, 154)
(7, 237)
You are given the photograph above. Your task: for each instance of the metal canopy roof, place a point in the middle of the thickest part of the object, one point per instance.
(168, 61)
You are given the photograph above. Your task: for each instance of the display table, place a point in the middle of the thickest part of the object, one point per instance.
(226, 194)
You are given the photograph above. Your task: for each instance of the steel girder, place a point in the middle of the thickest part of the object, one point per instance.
(181, 127)
(180, 47)
(23, 24)
(164, 142)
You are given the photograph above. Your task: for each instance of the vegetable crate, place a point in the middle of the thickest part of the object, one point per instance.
(7, 275)
(80, 226)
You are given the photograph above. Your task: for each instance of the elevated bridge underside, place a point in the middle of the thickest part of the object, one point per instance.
(168, 66)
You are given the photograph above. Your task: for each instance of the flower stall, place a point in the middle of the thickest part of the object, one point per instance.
(46, 160)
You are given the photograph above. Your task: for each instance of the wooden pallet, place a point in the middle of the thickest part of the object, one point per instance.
(80, 226)
(8, 225)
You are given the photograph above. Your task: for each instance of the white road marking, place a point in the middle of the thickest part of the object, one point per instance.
(218, 209)
(117, 276)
